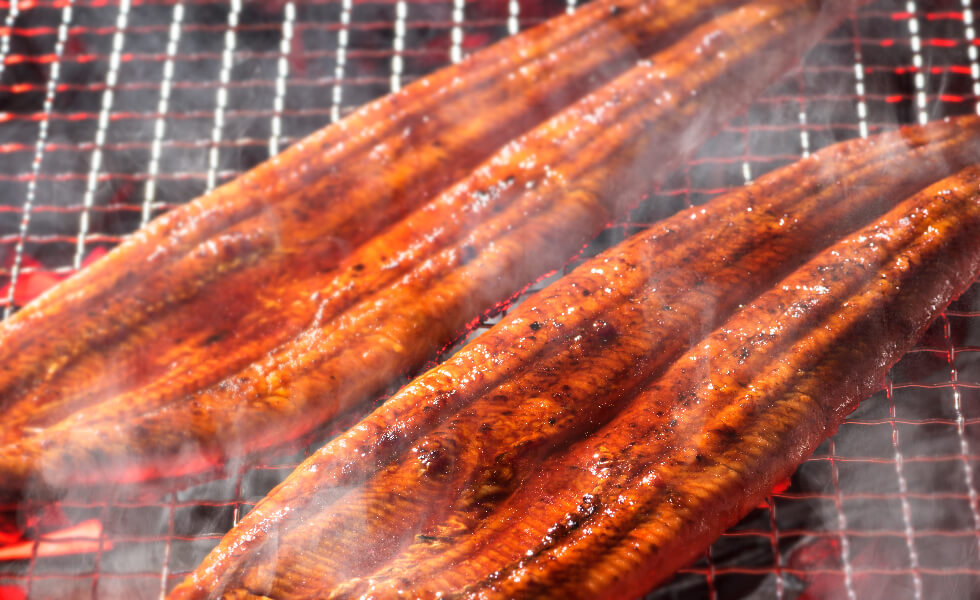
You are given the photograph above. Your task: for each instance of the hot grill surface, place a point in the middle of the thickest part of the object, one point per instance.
(113, 111)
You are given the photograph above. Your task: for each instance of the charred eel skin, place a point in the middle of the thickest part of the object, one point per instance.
(332, 324)
(215, 285)
(618, 512)
(176, 310)
(628, 411)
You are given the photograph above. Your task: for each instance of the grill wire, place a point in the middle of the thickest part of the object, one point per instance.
(114, 111)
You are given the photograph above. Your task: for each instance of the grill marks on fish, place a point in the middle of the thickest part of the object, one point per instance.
(215, 286)
(829, 335)
(370, 332)
(445, 462)
(640, 465)
(667, 476)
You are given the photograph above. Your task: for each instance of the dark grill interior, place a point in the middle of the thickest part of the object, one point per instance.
(113, 111)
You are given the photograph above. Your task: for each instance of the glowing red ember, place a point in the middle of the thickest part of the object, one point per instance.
(34, 281)
(78, 539)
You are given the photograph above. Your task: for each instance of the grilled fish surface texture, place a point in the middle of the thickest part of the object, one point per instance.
(177, 309)
(605, 431)
(309, 284)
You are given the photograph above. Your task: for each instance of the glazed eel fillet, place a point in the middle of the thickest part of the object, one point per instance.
(609, 428)
(308, 285)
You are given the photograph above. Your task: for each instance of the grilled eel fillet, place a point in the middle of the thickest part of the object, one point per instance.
(604, 432)
(175, 309)
(234, 323)
(186, 304)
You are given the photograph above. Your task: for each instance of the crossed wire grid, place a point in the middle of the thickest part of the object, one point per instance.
(113, 112)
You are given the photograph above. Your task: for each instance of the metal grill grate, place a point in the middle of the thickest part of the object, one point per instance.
(113, 111)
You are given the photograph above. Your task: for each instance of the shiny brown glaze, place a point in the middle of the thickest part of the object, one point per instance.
(214, 285)
(422, 494)
(617, 512)
(182, 386)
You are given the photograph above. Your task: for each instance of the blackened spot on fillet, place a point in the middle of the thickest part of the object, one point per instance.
(727, 433)
(605, 332)
(216, 337)
(436, 460)
(467, 254)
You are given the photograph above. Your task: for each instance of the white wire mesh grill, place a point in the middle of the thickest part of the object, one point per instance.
(112, 112)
